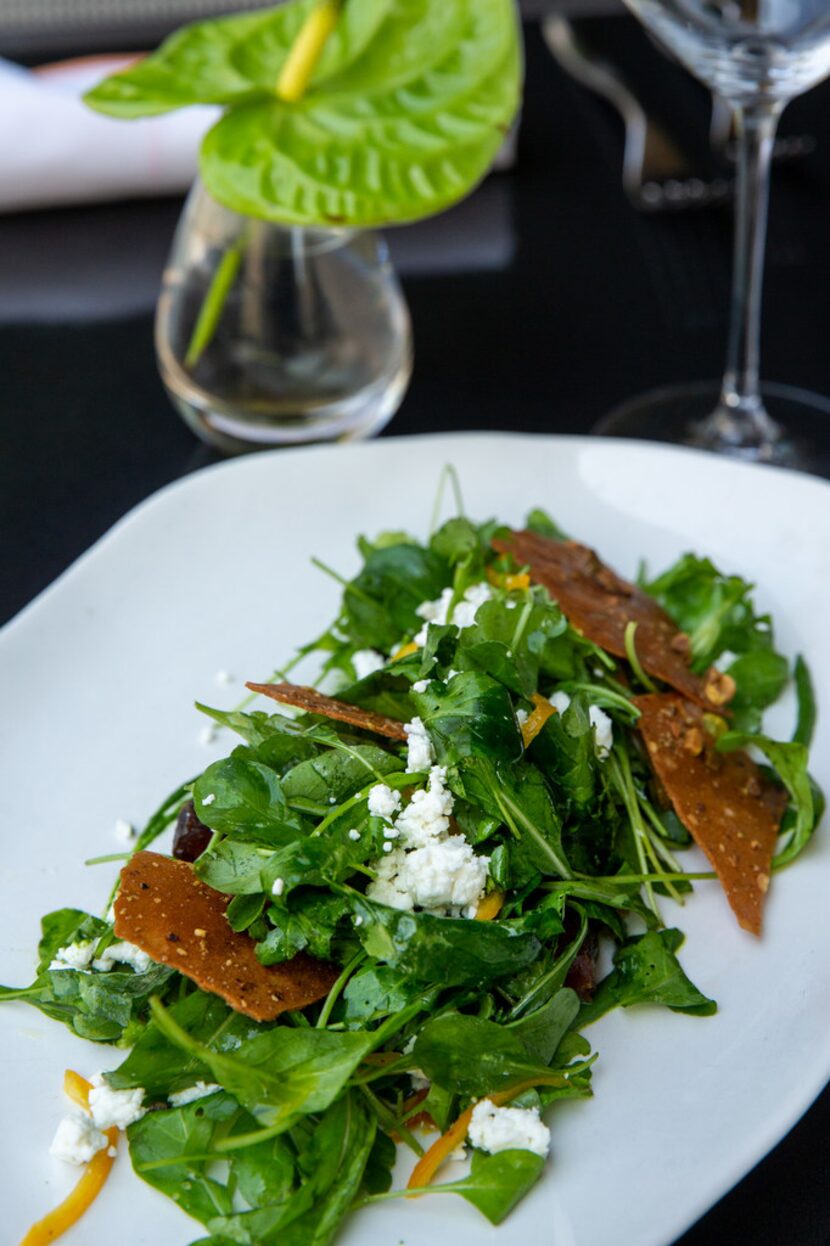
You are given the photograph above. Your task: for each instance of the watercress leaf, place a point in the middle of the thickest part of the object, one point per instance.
(790, 761)
(472, 715)
(496, 1183)
(245, 800)
(446, 950)
(647, 971)
(232, 59)
(183, 1135)
(279, 1074)
(398, 137)
(519, 797)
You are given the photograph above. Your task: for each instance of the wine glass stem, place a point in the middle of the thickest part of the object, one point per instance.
(741, 415)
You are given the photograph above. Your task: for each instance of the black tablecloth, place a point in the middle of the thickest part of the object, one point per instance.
(537, 305)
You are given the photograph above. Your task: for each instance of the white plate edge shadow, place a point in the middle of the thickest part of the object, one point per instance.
(777, 1123)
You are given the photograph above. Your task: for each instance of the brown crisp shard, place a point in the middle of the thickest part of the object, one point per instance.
(314, 702)
(601, 604)
(163, 908)
(731, 810)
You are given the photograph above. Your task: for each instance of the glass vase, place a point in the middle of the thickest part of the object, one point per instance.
(269, 335)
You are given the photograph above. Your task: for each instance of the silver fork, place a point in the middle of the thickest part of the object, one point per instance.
(656, 174)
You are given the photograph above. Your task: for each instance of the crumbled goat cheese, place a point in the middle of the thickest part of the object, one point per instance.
(560, 701)
(209, 799)
(198, 1091)
(74, 955)
(427, 816)
(366, 662)
(599, 720)
(496, 1129)
(278, 886)
(358, 921)
(77, 1139)
(462, 616)
(354, 835)
(432, 870)
(117, 1108)
(521, 717)
(420, 685)
(124, 831)
(383, 801)
(123, 953)
(419, 1079)
(420, 755)
(443, 877)
(223, 678)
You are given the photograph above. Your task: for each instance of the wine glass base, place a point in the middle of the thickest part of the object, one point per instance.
(683, 415)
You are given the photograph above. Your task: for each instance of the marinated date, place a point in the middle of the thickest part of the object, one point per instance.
(191, 836)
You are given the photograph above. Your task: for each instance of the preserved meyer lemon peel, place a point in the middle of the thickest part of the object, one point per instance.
(442, 1148)
(56, 1222)
(542, 710)
(490, 907)
(77, 1088)
(507, 580)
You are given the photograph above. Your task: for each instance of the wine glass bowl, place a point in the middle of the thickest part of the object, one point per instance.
(757, 55)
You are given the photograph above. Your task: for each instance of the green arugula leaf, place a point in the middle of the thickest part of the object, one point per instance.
(805, 693)
(280, 1074)
(334, 776)
(446, 950)
(160, 1067)
(790, 761)
(472, 715)
(183, 1136)
(565, 752)
(496, 1182)
(519, 797)
(508, 640)
(474, 1057)
(715, 610)
(379, 604)
(245, 800)
(647, 971)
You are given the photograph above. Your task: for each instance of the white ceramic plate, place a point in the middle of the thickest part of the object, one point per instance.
(98, 678)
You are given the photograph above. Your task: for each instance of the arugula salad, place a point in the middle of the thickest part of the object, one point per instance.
(395, 909)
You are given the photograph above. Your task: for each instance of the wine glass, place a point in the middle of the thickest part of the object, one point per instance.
(757, 55)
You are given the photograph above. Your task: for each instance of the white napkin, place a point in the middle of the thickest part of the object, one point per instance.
(54, 150)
